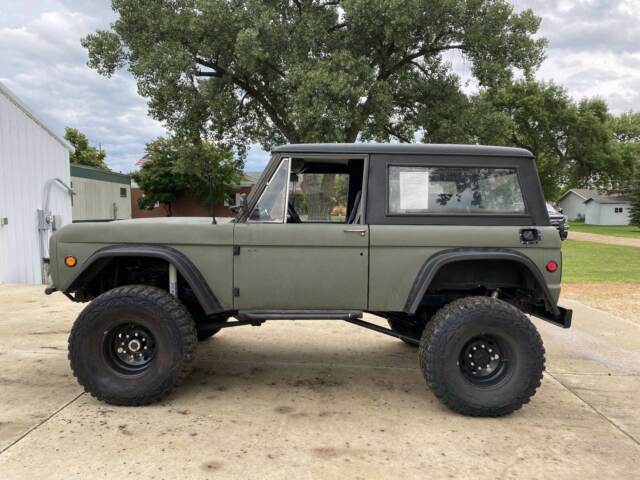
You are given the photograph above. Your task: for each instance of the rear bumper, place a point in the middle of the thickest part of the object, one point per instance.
(563, 319)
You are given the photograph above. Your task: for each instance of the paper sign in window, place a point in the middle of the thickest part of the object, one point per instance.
(414, 190)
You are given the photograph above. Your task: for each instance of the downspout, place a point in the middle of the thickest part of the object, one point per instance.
(46, 222)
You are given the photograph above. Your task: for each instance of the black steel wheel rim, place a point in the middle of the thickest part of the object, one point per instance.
(130, 348)
(484, 359)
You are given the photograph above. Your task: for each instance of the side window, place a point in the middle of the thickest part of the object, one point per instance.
(462, 190)
(320, 197)
(271, 206)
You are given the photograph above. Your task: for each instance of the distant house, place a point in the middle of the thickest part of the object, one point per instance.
(607, 210)
(596, 208)
(188, 206)
(100, 195)
(572, 202)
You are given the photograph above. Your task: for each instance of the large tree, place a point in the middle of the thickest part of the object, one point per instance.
(270, 71)
(575, 143)
(84, 153)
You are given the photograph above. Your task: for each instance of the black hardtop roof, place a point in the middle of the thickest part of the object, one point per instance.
(403, 148)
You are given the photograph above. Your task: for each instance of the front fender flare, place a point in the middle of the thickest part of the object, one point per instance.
(183, 264)
(434, 263)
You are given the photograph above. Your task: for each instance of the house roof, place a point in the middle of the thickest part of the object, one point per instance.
(4, 90)
(92, 173)
(404, 148)
(583, 193)
(609, 199)
(250, 179)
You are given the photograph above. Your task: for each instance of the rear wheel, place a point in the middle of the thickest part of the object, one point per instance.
(482, 357)
(132, 345)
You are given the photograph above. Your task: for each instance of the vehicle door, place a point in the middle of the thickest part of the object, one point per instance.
(307, 265)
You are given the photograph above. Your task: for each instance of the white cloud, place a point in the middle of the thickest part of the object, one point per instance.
(45, 65)
(594, 51)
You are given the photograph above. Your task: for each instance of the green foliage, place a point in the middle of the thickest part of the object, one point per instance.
(210, 172)
(259, 71)
(84, 153)
(574, 143)
(159, 177)
(178, 166)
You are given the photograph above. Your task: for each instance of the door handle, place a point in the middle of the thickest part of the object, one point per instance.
(362, 232)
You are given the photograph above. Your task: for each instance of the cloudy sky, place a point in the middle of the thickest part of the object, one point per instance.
(594, 51)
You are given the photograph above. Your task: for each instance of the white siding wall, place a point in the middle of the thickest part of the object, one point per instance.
(29, 157)
(94, 200)
(572, 205)
(605, 214)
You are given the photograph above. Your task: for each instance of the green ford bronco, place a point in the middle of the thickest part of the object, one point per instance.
(451, 245)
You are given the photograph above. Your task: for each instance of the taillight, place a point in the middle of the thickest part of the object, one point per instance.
(552, 266)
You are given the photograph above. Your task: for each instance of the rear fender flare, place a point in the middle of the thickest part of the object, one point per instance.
(94, 264)
(434, 264)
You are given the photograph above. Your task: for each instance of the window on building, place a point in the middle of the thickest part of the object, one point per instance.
(465, 190)
(619, 209)
(123, 193)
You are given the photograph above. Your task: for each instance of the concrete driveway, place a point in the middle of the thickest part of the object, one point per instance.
(313, 400)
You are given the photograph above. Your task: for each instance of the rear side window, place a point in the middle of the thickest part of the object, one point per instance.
(461, 190)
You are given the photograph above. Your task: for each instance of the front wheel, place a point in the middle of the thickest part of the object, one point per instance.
(132, 345)
(482, 357)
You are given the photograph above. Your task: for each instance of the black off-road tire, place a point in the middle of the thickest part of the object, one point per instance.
(99, 369)
(448, 340)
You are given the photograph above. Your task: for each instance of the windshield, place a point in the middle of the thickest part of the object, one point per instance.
(271, 206)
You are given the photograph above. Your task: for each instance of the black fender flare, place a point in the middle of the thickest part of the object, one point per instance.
(93, 265)
(433, 264)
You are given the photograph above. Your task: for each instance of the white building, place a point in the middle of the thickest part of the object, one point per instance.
(572, 202)
(607, 210)
(100, 196)
(595, 208)
(34, 190)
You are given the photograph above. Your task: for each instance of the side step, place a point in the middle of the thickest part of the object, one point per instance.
(258, 317)
(262, 315)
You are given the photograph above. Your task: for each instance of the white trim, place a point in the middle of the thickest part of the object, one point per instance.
(18, 103)
(571, 191)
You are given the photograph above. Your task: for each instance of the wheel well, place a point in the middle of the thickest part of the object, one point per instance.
(109, 273)
(513, 282)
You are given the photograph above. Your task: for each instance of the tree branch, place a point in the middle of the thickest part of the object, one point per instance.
(420, 53)
(338, 26)
(390, 130)
(277, 117)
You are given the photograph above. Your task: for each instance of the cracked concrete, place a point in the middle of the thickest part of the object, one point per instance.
(313, 400)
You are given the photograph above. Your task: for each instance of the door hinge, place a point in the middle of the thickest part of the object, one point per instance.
(236, 292)
(236, 250)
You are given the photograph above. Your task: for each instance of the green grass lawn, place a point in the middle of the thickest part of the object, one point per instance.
(614, 230)
(588, 262)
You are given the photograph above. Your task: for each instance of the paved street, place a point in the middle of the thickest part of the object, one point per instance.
(313, 399)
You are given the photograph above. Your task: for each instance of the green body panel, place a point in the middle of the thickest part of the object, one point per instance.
(325, 266)
(399, 251)
(301, 266)
(208, 246)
